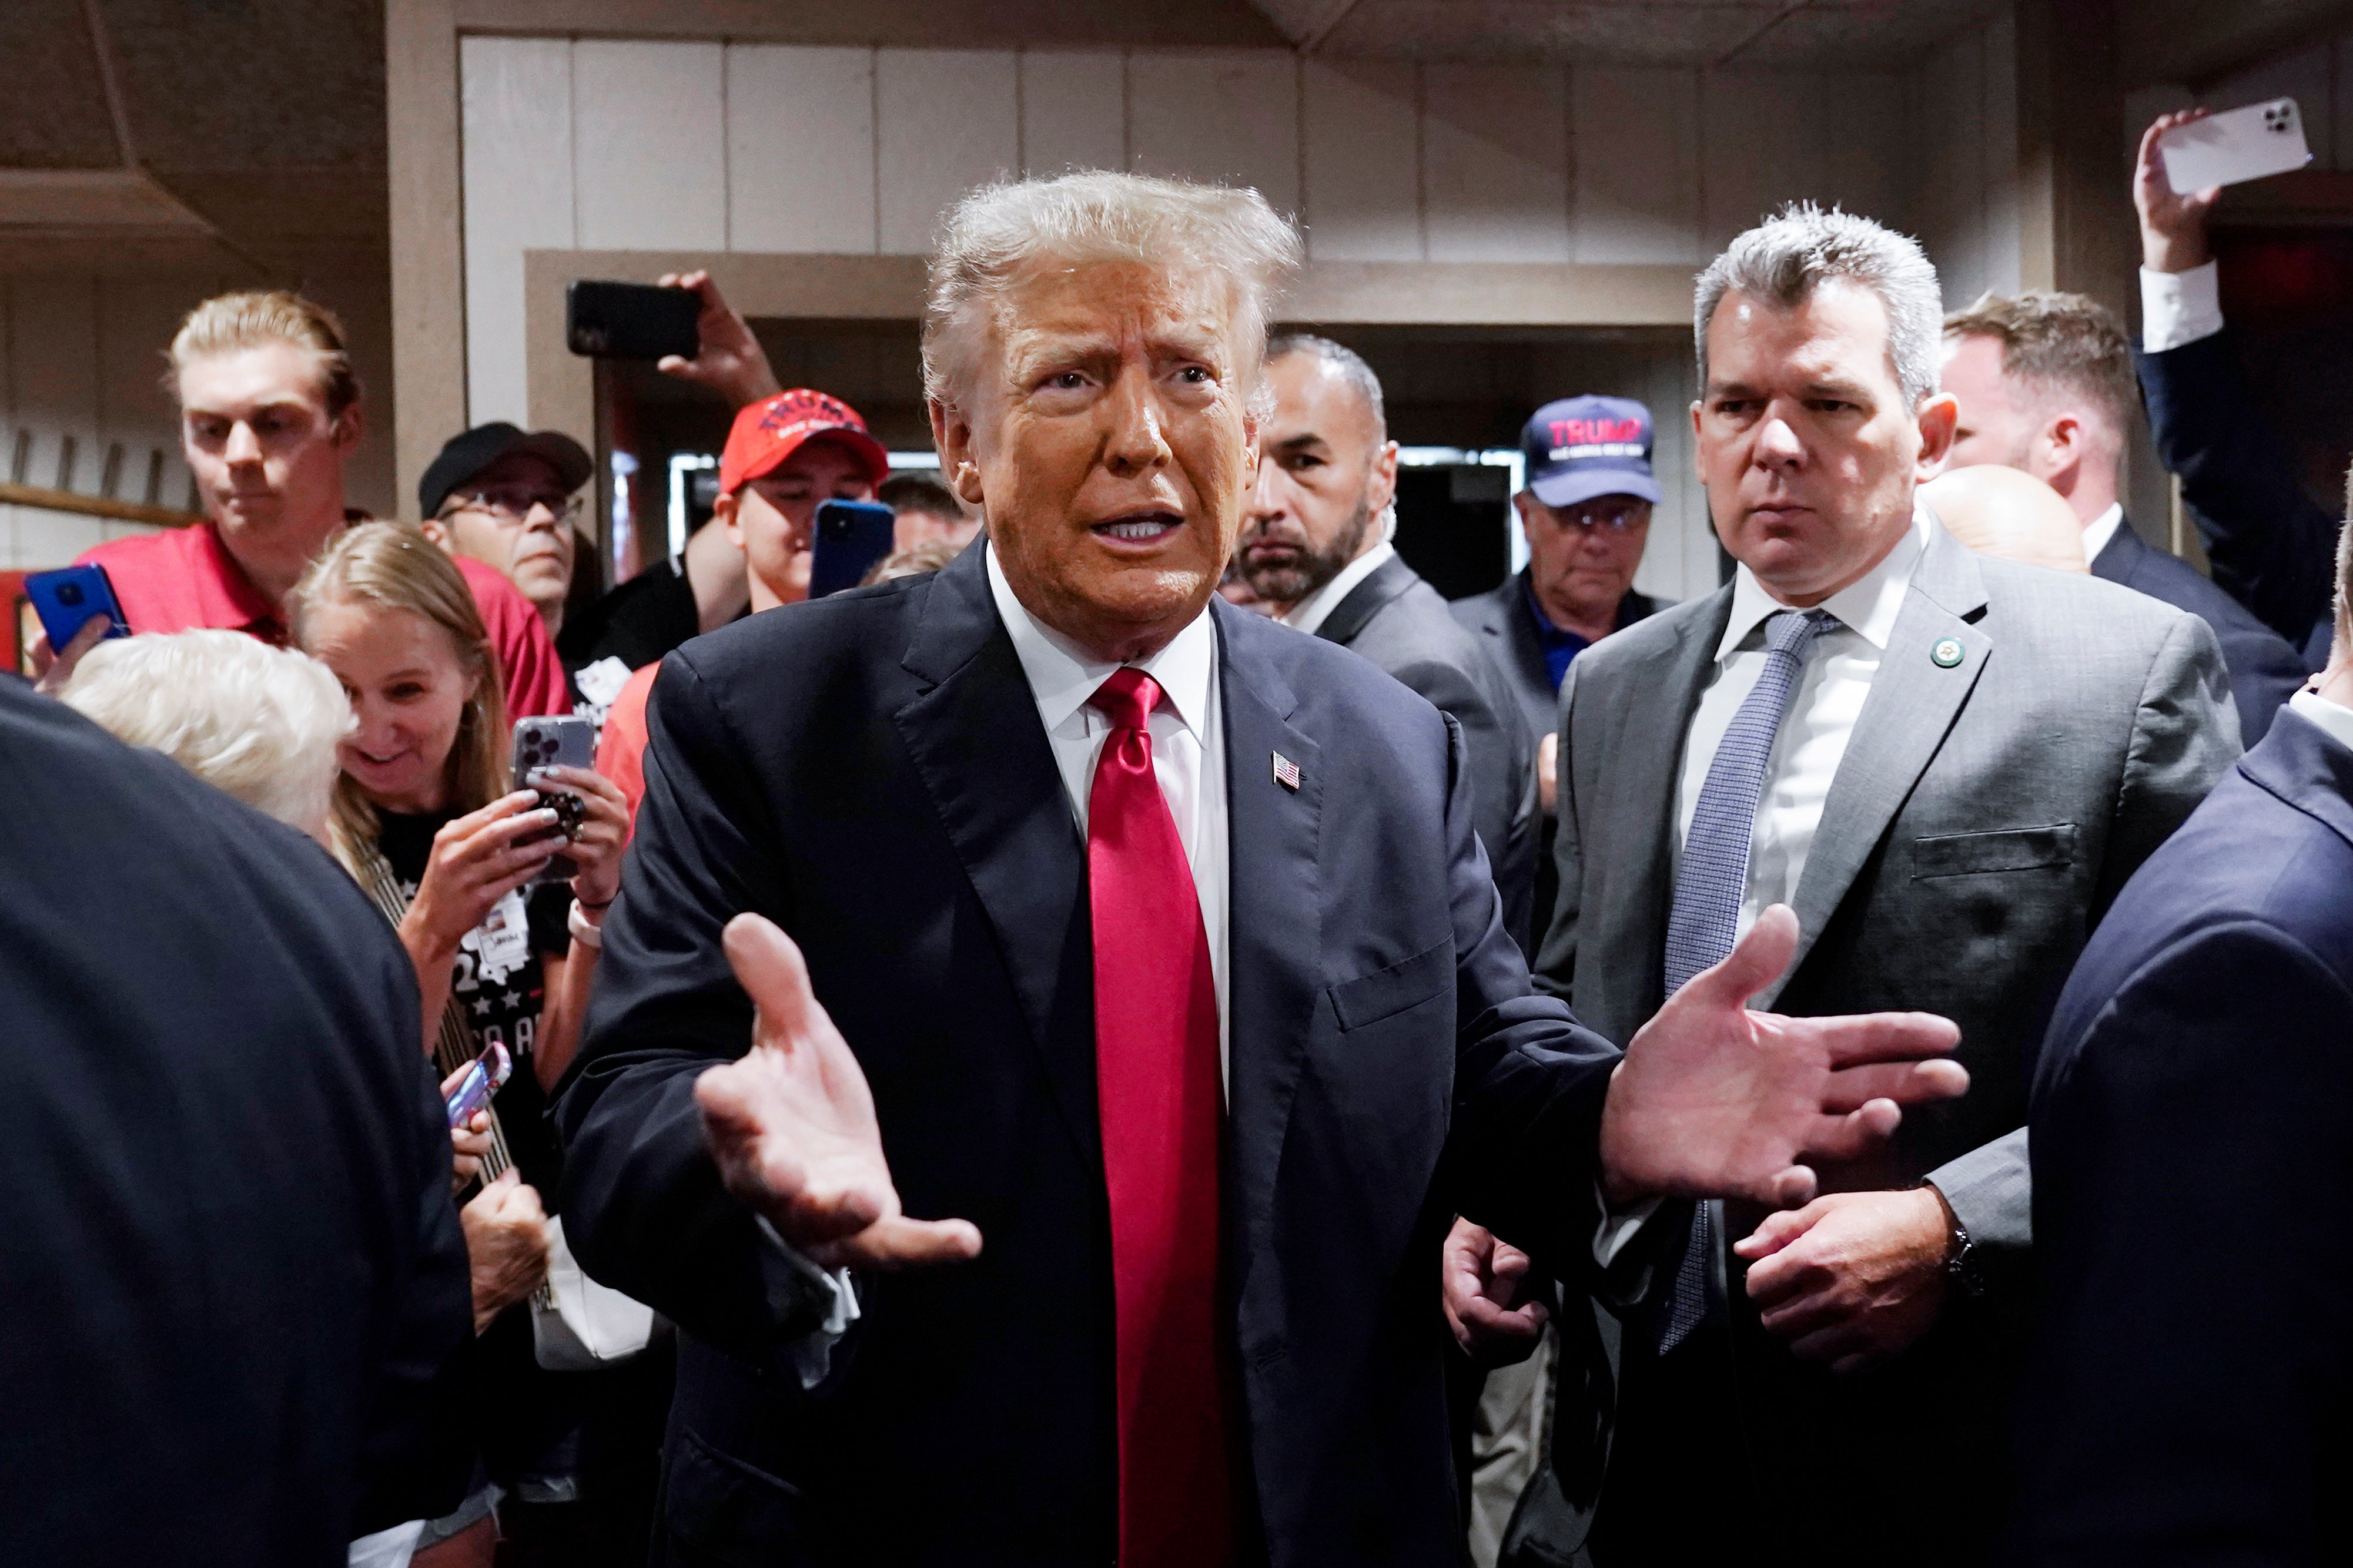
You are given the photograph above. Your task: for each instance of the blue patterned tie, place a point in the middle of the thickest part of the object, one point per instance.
(1712, 880)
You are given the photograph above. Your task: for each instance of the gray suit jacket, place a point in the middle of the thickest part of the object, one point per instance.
(1499, 619)
(1983, 818)
(1397, 621)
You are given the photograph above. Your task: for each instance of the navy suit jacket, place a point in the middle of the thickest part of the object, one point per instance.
(2193, 1192)
(235, 1286)
(2264, 670)
(870, 772)
(2270, 547)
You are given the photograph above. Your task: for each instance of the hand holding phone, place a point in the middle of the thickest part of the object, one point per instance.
(631, 320)
(562, 742)
(67, 598)
(2237, 145)
(484, 1077)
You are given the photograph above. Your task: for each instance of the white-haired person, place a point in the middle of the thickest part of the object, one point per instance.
(425, 815)
(265, 725)
(1155, 943)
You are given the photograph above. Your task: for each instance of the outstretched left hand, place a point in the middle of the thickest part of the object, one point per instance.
(1714, 1101)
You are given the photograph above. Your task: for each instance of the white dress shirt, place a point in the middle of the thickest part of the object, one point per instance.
(2100, 530)
(1812, 740)
(1313, 611)
(1189, 758)
(1188, 750)
(2335, 720)
(2178, 307)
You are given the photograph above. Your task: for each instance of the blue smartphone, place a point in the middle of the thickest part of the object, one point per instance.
(853, 538)
(68, 598)
(485, 1075)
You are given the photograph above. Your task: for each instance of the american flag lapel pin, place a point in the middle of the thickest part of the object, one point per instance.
(1286, 771)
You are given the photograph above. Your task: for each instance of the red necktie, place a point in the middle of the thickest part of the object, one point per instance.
(1157, 1086)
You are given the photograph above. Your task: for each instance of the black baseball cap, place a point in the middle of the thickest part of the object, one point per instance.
(1580, 447)
(470, 452)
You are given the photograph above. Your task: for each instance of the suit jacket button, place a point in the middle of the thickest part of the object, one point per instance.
(1948, 653)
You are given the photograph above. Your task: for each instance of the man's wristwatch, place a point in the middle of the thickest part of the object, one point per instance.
(1961, 1271)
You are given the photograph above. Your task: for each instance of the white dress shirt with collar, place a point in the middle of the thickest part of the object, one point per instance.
(2333, 719)
(2100, 530)
(1187, 756)
(1188, 747)
(1812, 740)
(1312, 612)
(2178, 307)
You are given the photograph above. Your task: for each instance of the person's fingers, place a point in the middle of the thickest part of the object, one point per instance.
(452, 1082)
(1775, 1280)
(1792, 1187)
(898, 1242)
(1860, 1037)
(526, 1202)
(1778, 1231)
(1756, 962)
(769, 966)
(1851, 1135)
(1903, 1083)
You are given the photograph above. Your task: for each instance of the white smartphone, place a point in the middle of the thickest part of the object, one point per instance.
(2237, 144)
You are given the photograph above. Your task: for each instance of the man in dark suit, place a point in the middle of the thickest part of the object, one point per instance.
(1315, 548)
(236, 1289)
(2192, 1388)
(1585, 511)
(1163, 957)
(1949, 764)
(2270, 544)
(2045, 386)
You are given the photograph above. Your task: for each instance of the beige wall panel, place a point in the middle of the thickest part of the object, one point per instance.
(1855, 127)
(1494, 148)
(1226, 115)
(650, 145)
(136, 319)
(945, 121)
(1949, 207)
(800, 149)
(1756, 136)
(2004, 196)
(1681, 561)
(1638, 176)
(517, 136)
(52, 371)
(1363, 200)
(1073, 111)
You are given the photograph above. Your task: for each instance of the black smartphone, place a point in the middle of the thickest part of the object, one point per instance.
(557, 742)
(69, 597)
(630, 320)
(851, 537)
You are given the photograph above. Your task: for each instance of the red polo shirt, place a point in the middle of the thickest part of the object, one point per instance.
(184, 579)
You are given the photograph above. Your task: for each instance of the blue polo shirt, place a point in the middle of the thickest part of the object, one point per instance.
(1559, 647)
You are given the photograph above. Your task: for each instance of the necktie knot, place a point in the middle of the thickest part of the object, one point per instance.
(1790, 630)
(1127, 698)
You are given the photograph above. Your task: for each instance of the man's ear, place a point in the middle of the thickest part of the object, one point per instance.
(1940, 416)
(952, 438)
(434, 529)
(347, 429)
(722, 515)
(1385, 469)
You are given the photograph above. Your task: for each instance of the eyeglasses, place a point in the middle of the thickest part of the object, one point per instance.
(515, 506)
(1617, 518)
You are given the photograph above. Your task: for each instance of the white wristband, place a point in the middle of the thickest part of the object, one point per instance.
(584, 930)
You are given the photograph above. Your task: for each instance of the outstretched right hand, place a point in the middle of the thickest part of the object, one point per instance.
(2173, 225)
(792, 1125)
(730, 361)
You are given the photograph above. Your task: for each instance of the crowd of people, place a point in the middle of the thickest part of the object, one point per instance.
(1145, 1034)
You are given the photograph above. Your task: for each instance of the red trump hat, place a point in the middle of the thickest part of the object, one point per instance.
(769, 431)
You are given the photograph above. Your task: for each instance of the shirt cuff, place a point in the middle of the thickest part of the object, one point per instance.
(1611, 1237)
(2178, 308)
(815, 1306)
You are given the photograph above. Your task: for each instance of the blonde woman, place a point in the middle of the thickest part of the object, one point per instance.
(425, 814)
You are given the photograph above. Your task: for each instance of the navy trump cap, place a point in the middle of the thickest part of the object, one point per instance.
(1580, 447)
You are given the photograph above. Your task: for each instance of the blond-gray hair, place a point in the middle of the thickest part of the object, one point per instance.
(1000, 233)
(259, 722)
(1785, 259)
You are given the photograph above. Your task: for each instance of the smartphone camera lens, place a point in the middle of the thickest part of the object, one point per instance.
(70, 593)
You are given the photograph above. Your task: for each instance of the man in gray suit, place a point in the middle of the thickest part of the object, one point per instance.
(1950, 766)
(1315, 548)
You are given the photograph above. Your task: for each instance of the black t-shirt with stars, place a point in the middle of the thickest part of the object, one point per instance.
(500, 1002)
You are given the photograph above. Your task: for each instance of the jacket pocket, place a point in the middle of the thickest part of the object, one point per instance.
(2009, 849)
(723, 1511)
(1385, 993)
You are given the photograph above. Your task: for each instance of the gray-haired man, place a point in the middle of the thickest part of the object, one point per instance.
(1950, 766)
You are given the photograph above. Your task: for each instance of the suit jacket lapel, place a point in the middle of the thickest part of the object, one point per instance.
(1641, 770)
(978, 746)
(1913, 703)
(1387, 580)
(1274, 922)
